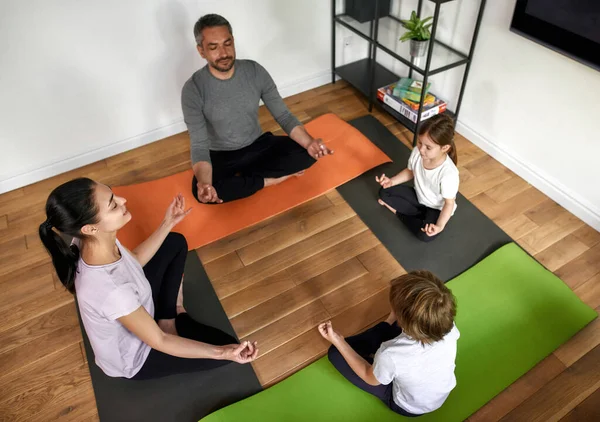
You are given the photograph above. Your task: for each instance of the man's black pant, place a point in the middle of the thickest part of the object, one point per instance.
(241, 173)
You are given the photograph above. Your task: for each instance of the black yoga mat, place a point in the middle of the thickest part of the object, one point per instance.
(469, 236)
(183, 397)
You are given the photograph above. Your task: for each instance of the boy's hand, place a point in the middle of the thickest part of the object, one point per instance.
(432, 229)
(384, 181)
(326, 330)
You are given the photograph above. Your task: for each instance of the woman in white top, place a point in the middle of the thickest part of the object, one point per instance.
(426, 208)
(130, 302)
(408, 360)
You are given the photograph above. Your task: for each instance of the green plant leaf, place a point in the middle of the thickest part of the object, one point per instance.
(427, 19)
(423, 35)
(413, 16)
(407, 36)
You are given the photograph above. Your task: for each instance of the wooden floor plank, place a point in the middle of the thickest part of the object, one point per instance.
(36, 328)
(244, 277)
(305, 348)
(331, 257)
(581, 343)
(257, 293)
(352, 293)
(49, 400)
(289, 327)
(41, 372)
(561, 252)
(588, 410)
(508, 189)
(581, 269)
(550, 233)
(518, 226)
(563, 393)
(295, 232)
(224, 265)
(587, 235)
(32, 351)
(589, 292)
(520, 390)
(381, 264)
(261, 230)
(293, 299)
(33, 306)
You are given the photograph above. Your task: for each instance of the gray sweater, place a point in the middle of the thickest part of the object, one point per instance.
(222, 115)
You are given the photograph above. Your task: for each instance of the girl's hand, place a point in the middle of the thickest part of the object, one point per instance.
(176, 211)
(240, 353)
(326, 330)
(384, 181)
(432, 229)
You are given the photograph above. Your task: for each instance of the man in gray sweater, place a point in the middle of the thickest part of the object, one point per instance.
(231, 157)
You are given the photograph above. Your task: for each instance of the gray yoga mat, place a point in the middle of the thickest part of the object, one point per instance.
(468, 238)
(183, 397)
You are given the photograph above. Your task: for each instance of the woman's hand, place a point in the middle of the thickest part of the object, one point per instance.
(176, 211)
(240, 353)
(326, 330)
(384, 181)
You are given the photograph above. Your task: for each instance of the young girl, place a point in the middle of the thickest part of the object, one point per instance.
(412, 371)
(130, 303)
(426, 208)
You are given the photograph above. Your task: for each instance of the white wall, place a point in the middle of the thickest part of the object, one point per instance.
(531, 108)
(82, 80)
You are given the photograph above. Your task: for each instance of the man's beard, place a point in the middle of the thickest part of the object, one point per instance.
(216, 65)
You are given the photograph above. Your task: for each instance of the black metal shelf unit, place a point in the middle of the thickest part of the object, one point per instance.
(367, 75)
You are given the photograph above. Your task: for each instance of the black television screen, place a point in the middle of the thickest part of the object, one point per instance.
(570, 27)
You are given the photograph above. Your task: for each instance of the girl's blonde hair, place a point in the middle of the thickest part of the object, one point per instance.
(424, 306)
(440, 129)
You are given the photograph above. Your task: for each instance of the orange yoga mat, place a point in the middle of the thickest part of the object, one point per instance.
(353, 155)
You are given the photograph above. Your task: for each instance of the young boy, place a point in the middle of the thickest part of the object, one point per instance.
(412, 370)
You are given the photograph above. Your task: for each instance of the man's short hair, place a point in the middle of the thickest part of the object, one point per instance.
(209, 21)
(424, 306)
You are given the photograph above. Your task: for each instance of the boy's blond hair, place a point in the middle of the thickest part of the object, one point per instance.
(424, 306)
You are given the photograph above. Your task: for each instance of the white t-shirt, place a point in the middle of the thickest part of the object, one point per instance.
(104, 294)
(423, 376)
(435, 185)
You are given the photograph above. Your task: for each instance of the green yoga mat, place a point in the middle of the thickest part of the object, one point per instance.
(512, 313)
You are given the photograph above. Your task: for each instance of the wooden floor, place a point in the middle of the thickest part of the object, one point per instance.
(279, 279)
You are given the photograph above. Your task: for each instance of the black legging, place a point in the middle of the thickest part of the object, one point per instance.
(415, 216)
(366, 344)
(240, 173)
(164, 272)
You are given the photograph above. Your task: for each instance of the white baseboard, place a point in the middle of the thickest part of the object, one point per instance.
(549, 185)
(12, 182)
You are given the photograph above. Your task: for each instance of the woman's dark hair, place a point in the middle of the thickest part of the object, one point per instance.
(440, 129)
(69, 207)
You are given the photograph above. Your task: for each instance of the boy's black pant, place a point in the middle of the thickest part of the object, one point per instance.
(366, 344)
(241, 173)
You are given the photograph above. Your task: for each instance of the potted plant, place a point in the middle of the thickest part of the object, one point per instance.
(418, 33)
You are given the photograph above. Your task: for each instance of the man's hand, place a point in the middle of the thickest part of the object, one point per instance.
(384, 181)
(208, 194)
(432, 229)
(326, 330)
(240, 353)
(318, 149)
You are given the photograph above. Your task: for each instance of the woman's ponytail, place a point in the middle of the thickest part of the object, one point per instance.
(69, 207)
(64, 257)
